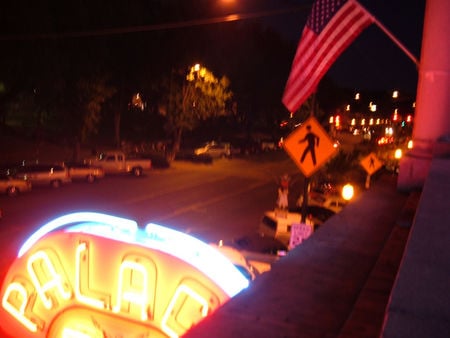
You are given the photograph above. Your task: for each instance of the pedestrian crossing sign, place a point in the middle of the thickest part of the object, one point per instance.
(371, 163)
(309, 146)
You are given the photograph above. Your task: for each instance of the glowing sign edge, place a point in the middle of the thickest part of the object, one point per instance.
(185, 247)
(77, 217)
(200, 255)
(178, 244)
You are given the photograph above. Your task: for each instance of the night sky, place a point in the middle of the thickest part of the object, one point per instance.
(372, 62)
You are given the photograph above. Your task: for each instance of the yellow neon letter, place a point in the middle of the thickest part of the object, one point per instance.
(82, 284)
(44, 277)
(19, 294)
(182, 305)
(137, 289)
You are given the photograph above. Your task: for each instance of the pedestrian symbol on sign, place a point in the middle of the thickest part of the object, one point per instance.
(371, 163)
(313, 142)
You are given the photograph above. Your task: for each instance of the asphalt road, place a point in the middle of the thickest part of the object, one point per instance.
(223, 200)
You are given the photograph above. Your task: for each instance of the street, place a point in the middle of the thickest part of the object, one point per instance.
(224, 200)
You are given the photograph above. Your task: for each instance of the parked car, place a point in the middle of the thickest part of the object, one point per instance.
(245, 147)
(325, 194)
(268, 145)
(84, 172)
(9, 168)
(259, 244)
(331, 201)
(44, 174)
(315, 213)
(260, 251)
(277, 224)
(214, 150)
(117, 162)
(238, 260)
(13, 186)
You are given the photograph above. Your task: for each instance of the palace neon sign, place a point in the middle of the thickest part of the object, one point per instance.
(96, 275)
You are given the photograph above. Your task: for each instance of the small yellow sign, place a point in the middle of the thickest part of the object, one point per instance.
(371, 163)
(309, 146)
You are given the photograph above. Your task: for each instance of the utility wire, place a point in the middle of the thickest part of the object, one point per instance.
(153, 27)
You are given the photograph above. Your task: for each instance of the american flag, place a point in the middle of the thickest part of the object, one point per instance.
(331, 27)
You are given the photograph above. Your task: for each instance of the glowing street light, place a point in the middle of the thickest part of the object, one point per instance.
(347, 192)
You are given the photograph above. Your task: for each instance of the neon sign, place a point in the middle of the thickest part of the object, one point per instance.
(96, 275)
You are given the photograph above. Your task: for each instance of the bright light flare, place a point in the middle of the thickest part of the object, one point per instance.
(232, 17)
(348, 192)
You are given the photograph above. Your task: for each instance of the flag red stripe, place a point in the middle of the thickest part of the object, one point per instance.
(315, 54)
(318, 64)
(325, 46)
(306, 52)
(336, 36)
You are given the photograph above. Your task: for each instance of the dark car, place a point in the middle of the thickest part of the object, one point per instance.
(316, 213)
(260, 244)
(13, 186)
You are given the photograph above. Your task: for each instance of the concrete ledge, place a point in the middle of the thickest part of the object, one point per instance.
(313, 290)
(419, 305)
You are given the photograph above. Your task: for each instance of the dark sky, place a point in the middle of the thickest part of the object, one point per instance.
(372, 62)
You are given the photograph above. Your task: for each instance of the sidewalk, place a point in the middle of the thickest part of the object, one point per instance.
(420, 301)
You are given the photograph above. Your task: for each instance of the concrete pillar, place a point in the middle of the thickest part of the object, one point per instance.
(431, 133)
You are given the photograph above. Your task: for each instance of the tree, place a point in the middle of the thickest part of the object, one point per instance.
(91, 95)
(197, 97)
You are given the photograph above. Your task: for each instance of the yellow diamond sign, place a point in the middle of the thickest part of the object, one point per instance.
(371, 163)
(309, 146)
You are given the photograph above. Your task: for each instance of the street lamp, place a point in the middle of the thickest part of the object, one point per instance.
(347, 192)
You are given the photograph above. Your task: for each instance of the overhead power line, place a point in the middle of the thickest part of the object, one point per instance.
(152, 27)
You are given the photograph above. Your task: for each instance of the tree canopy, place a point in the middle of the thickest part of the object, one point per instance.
(193, 98)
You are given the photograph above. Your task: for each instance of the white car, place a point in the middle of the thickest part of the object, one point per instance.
(238, 260)
(214, 149)
(277, 224)
(333, 202)
(44, 174)
(84, 172)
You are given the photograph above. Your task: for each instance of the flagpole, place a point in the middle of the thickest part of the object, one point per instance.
(397, 42)
(392, 37)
